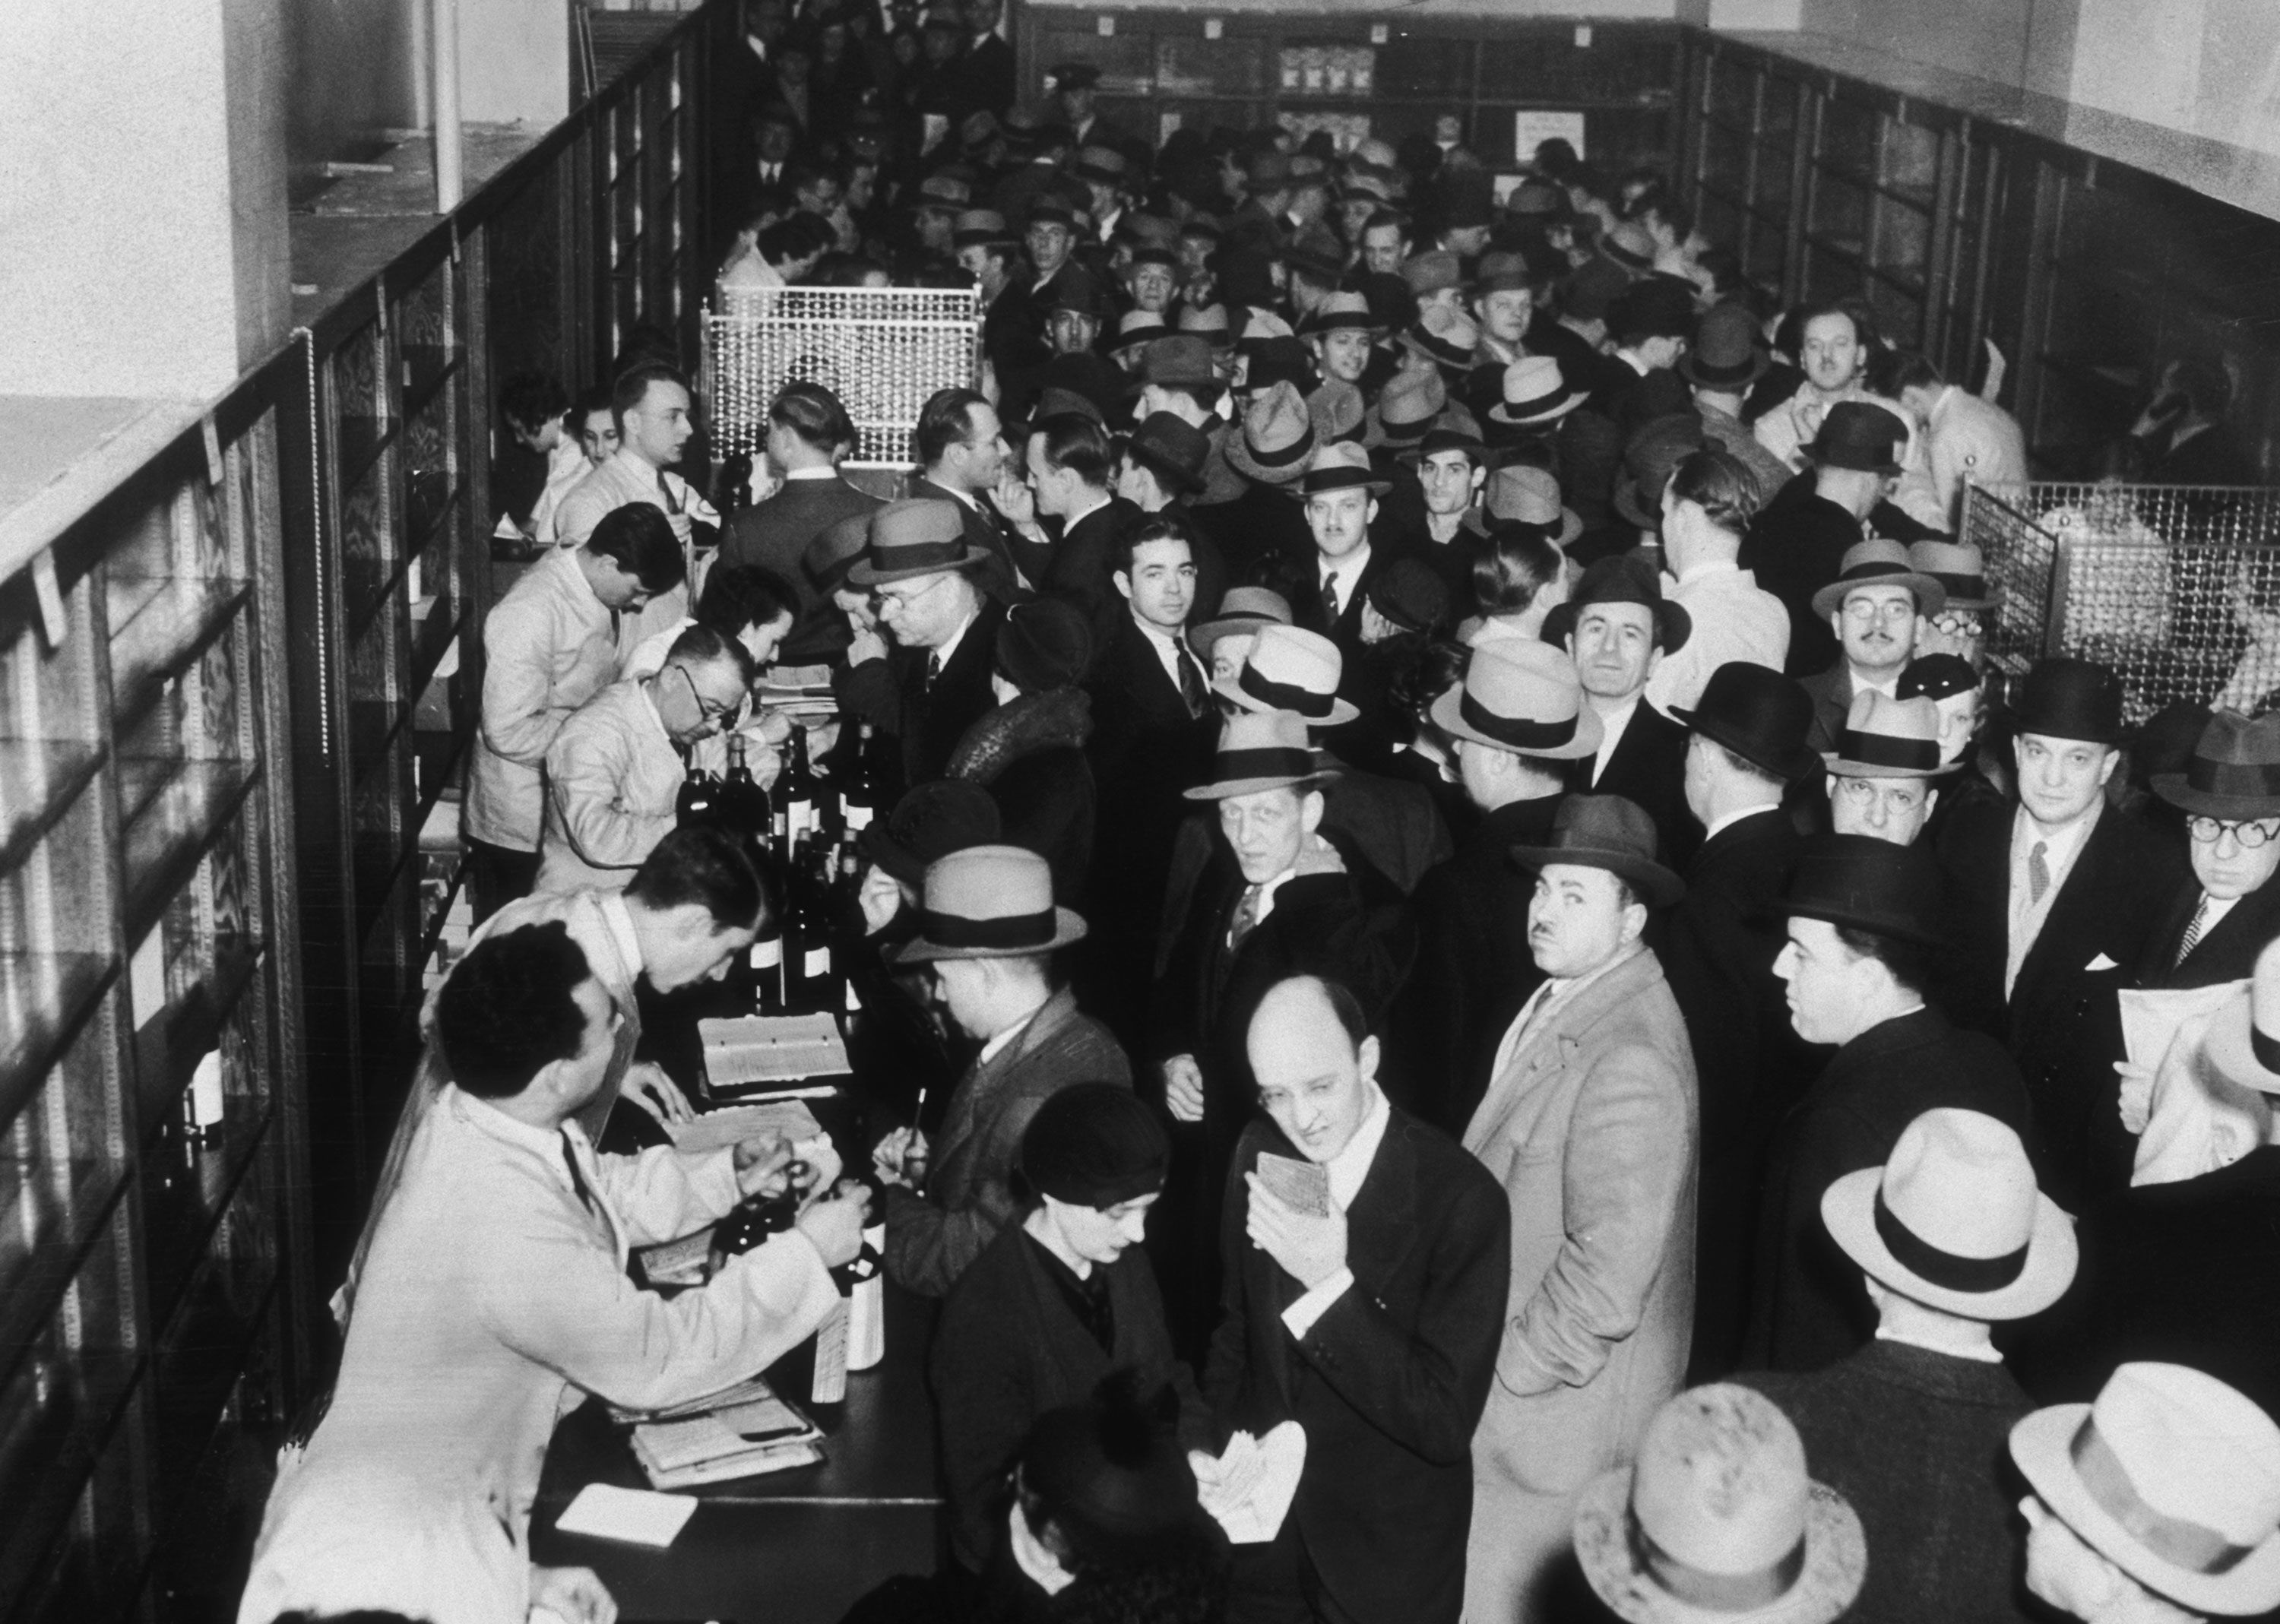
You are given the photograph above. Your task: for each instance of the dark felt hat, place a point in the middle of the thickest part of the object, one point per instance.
(1758, 714)
(1606, 831)
(1116, 1475)
(1656, 308)
(919, 535)
(1280, 360)
(1865, 884)
(1857, 435)
(1095, 1144)
(2064, 698)
(1649, 457)
(1074, 76)
(1725, 355)
(1176, 358)
(1172, 448)
(833, 552)
(1042, 645)
(931, 821)
(1623, 579)
(1409, 593)
(2235, 771)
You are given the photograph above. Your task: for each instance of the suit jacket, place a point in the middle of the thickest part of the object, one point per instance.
(932, 1239)
(1001, 577)
(775, 533)
(1718, 951)
(1389, 1384)
(1591, 1128)
(1831, 691)
(1918, 1443)
(893, 696)
(1082, 571)
(1146, 749)
(986, 78)
(1262, 535)
(1648, 768)
(2062, 1018)
(2227, 951)
(1009, 1347)
(1796, 547)
(1473, 969)
(1808, 1307)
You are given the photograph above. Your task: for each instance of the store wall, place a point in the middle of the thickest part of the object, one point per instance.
(358, 71)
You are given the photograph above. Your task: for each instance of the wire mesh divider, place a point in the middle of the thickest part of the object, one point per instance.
(2175, 587)
(882, 350)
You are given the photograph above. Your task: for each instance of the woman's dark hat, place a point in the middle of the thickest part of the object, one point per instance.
(1937, 676)
(1868, 884)
(2064, 698)
(2235, 771)
(1173, 449)
(1606, 831)
(1043, 644)
(1622, 579)
(1095, 1144)
(1858, 436)
(930, 821)
(1758, 714)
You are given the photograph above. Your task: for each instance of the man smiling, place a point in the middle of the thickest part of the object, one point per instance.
(1617, 627)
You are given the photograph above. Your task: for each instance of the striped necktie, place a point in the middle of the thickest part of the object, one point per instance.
(2193, 929)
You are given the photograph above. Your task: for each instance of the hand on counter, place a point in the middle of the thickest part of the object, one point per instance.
(647, 1086)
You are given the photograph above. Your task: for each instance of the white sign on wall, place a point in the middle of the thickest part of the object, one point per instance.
(1530, 129)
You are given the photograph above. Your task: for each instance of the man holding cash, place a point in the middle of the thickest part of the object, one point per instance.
(1590, 1124)
(1366, 1266)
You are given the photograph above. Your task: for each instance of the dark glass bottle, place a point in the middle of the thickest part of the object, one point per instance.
(754, 1220)
(797, 792)
(699, 800)
(861, 796)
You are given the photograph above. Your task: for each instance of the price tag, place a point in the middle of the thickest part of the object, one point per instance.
(1105, 26)
(818, 962)
(858, 817)
(767, 952)
(1214, 27)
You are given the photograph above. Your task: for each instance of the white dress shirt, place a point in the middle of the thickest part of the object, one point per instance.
(1347, 1170)
(1735, 620)
(1612, 724)
(1345, 573)
(942, 655)
(2061, 847)
(1169, 651)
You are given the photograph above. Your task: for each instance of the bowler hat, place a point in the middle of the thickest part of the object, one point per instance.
(1725, 355)
(1622, 579)
(1887, 738)
(1242, 612)
(1857, 435)
(1864, 883)
(1173, 449)
(1175, 359)
(931, 821)
(1410, 594)
(1522, 495)
(1958, 567)
(2234, 773)
(1653, 455)
(1877, 562)
(1277, 437)
(1341, 466)
(828, 558)
(1714, 1521)
(988, 902)
(2066, 698)
(1259, 750)
(1953, 1220)
(1606, 831)
(1534, 391)
(2172, 1477)
(1095, 1144)
(1294, 670)
(1043, 644)
(918, 535)
(1758, 714)
(1444, 335)
(1522, 699)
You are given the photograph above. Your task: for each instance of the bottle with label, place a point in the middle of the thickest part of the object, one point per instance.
(698, 801)
(861, 796)
(837, 1339)
(797, 792)
(754, 1220)
(764, 960)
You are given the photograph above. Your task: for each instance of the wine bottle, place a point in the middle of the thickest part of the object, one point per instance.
(698, 801)
(819, 935)
(751, 1221)
(744, 805)
(859, 795)
(796, 791)
(835, 1337)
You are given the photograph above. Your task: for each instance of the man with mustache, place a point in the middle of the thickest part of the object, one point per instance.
(1872, 606)
(1617, 627)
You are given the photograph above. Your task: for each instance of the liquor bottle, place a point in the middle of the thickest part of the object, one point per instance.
(797, 792)
(742, 804)
(801, 926)
(836, 1339)
(819, 933)
(755, 1219)
(861, 796)
(847, 914)
(698, 801)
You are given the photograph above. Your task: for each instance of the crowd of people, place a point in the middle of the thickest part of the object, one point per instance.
(1448, 862)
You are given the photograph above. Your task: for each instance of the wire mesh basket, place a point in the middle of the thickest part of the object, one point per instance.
(882, 350)
(2175, 587)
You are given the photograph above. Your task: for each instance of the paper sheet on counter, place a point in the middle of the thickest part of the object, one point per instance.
(638, 1516)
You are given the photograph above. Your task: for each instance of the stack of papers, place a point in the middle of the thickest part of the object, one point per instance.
(789, 1120)
(765, 1051)
(743, 1432)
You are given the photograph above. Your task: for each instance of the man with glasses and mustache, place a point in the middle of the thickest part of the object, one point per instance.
(615, 770)
(1872, 606)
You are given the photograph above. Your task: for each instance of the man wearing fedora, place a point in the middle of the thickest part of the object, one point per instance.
(988, 929)
(1951, 1238)
(1338, 493)
(2158, 1503)
(1802, 535)
(1178, 374)
(1263, 532)
(2215, 922)
(1884, 768)
(1864, 929)
(1617, 627)
(1514, 722)
(1959, 627)
(1721, 363)
(1718, 1522)
(1371, 1320)
(933, 684)
(1706, 506)
(1274, 899)
(1719, 944)
(2055, 902)
(1590, 1124)
(1873, 608)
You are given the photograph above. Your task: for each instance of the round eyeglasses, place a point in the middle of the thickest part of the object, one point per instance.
(2208, 831)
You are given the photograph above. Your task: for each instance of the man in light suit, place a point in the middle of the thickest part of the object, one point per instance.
(1590, 1123)
(1961, 439)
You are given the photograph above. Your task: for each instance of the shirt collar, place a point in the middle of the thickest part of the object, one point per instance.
(545, 1143)
(1169, 641)
(957, 637)
(638, 464)
(2062, 843)
(1890, 688)
(1347, 569)
(995, 1046)
(966, 496)
(1733, 818)
(1982, 1355)
(810, 474)
(620, 920)
(1070, 521)
(1708, 567)
(1350, 1166)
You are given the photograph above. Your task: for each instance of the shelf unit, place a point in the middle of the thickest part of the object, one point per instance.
(144, 933)
(1257, 68)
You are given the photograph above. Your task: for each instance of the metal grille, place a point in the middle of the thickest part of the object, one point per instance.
(2176, 587)
(882, 350)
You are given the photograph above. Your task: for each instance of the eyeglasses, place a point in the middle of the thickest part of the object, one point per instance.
(714, 714)
(1866, 609)
(1898, 795)
(895, 603)
(1957, 623)
(2248, 836)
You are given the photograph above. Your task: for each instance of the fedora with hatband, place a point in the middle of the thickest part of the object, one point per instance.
(1522, 699)
(1258, 752)
(1609, 832)
(1959, 568)
(1277, 437)
(1953, 1220)
(1526, 496)
(917, 535)
(1343, 464)
(1623, 579)
(988, 902)
(1864, 883)
(1758, 714)
(2234, 773)
(1243, 611)
(1887, 738)
(1877, 562)
(1173, 449)
(1536, 392)
(1858, 436)
(1724, 355)
(1292, 670)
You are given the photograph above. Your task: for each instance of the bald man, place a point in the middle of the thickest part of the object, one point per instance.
(1373, 1321)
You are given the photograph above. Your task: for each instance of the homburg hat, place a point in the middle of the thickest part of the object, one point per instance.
(988, 902)
(1864, 883)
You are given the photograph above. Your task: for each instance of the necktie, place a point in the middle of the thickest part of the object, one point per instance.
(1191, 681)
(934, 670)
(665, 493)
(1246, 917)
(2193, 929)
(2038, 873)
(1330, 598)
